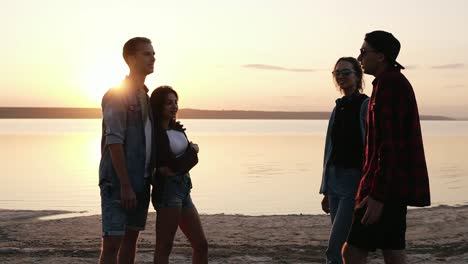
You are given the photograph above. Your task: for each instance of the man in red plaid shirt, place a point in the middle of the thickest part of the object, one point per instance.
(395, 172)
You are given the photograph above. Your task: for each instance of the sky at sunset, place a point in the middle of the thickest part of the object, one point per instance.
(219, 54)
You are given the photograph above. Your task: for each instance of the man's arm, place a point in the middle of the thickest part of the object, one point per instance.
(115, 120)
(127, 195)
(389, 111)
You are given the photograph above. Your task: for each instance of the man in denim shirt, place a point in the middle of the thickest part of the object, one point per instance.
(126, 156)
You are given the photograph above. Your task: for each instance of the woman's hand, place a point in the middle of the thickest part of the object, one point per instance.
(325, 205)
(165, 172)
(195, 146)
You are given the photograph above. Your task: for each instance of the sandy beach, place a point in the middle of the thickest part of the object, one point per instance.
(435, 235)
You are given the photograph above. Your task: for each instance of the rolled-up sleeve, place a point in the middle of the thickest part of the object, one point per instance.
(115, 118)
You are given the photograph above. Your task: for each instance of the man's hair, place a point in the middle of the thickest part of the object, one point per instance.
(384, 42)
(131, 46)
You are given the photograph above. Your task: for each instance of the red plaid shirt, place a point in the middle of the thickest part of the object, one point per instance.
(395, 167)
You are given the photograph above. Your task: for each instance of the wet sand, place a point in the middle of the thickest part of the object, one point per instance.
(435, 235)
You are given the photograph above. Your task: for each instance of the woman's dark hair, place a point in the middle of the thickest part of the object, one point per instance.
(157, 101)
(357, 71)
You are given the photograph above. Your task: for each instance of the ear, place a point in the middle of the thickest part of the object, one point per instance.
(381, 57)
(131, 61)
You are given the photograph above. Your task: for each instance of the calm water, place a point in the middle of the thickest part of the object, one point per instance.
(249, 167)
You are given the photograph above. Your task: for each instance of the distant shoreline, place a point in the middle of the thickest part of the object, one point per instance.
(94, 113)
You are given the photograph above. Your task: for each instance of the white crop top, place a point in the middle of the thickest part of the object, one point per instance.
(177, 141)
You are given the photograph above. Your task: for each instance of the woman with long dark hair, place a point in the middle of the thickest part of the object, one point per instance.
(344, 153)
(174, 155)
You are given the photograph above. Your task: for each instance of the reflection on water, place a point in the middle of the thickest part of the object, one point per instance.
(246, 166)
(66, 215)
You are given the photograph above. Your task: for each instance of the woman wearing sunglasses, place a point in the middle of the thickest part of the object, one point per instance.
(344, 153)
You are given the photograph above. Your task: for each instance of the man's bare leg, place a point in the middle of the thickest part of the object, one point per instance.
(110, 249)
(128, 247)
(394, 256)
(354, 255)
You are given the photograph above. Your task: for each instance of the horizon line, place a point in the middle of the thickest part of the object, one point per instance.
(184, 113)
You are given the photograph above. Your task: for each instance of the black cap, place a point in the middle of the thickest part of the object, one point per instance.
(386, 43)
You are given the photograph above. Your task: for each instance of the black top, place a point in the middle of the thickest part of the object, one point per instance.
(347, 145)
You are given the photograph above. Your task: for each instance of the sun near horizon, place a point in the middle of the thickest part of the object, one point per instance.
(262, 55)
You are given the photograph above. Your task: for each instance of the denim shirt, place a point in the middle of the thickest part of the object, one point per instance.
(123, 124)
(329, 142)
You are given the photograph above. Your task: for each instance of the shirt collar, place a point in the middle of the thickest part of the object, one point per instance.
(348, 98)
(387, 71)
(126, 83)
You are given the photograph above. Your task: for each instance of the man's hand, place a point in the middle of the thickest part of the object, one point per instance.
(127, 197)
(373, 211)
(325, 205)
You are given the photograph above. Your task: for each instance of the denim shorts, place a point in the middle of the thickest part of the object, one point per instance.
(172, 192)
(115, 219)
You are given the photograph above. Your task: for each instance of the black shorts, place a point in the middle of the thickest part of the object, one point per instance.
(387, 234)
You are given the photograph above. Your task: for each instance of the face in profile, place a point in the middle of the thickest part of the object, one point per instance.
(369, 58)
(143, 59)
(170, 106)
(345, 76)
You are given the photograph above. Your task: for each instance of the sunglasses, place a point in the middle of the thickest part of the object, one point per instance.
(344, 72)
(363, 51)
